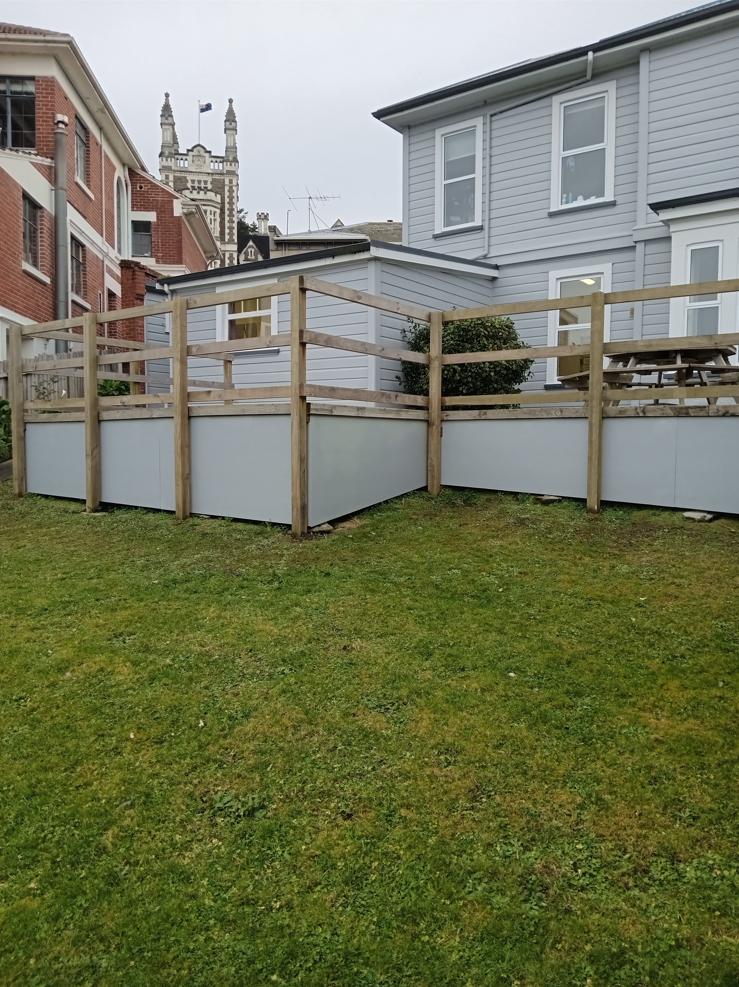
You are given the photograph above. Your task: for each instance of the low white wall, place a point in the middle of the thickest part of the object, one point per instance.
(666, 462)
(137, 463)
(241, 467)
(356, 462)
(55, 458)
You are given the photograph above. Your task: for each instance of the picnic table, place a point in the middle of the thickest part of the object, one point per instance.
(675, 365)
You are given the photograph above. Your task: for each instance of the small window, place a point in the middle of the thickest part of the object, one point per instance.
(77, 267)
(458, 176)
(141, 236)
(82, 151)
(31, 233)
(17, 113)
(250, 318)
(571, 326)
(583, 151)
(702, 311)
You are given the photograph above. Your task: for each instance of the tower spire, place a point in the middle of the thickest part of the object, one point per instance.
(170, 144)
(230, 129)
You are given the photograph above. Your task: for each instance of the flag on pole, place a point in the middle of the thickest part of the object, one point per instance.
(204, 107)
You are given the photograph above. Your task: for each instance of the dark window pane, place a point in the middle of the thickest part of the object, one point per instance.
(22, 121)
(82, 139)
(583, 176)
(31, 231)
(77, 267)
(584, 123)
(459, 202)
(141, 246)
(459, 154)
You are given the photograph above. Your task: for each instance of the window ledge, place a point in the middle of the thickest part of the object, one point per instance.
(580, 206)
(457, 231)
(35, 273)
(85, 189)
(80, 301)
(143, 258)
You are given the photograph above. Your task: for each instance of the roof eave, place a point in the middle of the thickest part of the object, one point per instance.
(551, 68)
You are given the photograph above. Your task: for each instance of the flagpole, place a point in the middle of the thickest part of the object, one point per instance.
(199, 115)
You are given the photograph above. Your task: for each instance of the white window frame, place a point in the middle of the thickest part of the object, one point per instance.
(224, 317)
(607, 89)
(441, 134)
(702, 301)
(605, 273)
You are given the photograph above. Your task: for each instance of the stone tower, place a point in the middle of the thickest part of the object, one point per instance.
(210, 180)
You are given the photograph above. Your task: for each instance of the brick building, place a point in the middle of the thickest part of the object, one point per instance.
(83, 221)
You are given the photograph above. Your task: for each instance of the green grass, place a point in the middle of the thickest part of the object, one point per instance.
(471, 741)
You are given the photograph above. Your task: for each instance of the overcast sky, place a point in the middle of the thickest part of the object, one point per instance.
(305, 76)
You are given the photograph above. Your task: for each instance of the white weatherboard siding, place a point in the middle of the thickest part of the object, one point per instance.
(520, 173)
(436, 289)
(421, 188)
(656, 314)
(693, 117)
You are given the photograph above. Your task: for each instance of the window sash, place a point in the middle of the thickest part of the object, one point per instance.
(81, 145)
(249, 323)
(77, 267)
(31, 232)
(559, 153)
(444, 184)
(696, 304)
(141, 238)
(17, 113)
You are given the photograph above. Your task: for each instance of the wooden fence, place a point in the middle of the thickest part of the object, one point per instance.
(187, 398)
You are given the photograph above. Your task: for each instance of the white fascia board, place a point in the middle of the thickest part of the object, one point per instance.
(440, 263)
(698, 210)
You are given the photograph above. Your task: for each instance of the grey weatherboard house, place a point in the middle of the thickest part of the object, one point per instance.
(610, 166)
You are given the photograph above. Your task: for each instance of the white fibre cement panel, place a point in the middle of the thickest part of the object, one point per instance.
(357, 462)
(137, 462)
(241, 467)
(55, 458)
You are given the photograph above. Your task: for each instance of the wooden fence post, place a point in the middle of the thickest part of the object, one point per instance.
(595, 401)
(298, 410)
(433, 446)
(228, 376)
(17, 413)
(92, 412)
(181, 410)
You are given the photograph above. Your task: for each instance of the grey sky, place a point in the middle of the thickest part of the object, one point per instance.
(306, 76)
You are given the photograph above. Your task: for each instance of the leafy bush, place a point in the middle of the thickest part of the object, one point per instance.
(467, 336)
(113, 388)
(5, 442)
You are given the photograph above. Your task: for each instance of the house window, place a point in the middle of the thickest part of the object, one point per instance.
(17, 113)
(120, 211)
(77, 267)
(141, 235)
(249, 319)
(31, 232)
(583, 152)
(459, 176)
(702, 311)
(571, 326)
(81, 151)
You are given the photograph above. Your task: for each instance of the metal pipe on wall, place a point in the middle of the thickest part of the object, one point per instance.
(61, 239)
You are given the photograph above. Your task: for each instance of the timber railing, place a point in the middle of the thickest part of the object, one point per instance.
(188, 397)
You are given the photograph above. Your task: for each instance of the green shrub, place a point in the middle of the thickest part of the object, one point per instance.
(113, 388)
(6, 450)
(467, 336)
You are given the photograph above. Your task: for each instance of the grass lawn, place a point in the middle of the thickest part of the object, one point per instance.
(471, 741)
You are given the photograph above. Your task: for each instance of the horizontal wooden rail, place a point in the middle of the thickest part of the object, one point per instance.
(672, 291)
(362, 346)
(239, 295)
(240, 393)
(517, 308)
(140, 356)
(671, 393)
(41, 328)
(76, 337)
(522, 353)
(56, 404)
(525, 397)
(214, 349)
(392, 305)
(362, 394)
(137, 312)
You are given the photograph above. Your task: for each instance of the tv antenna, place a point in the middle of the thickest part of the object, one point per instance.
(310, 198)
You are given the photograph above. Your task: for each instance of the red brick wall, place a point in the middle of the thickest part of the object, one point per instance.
(134, 279)
(19, 291)
(172, 242)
